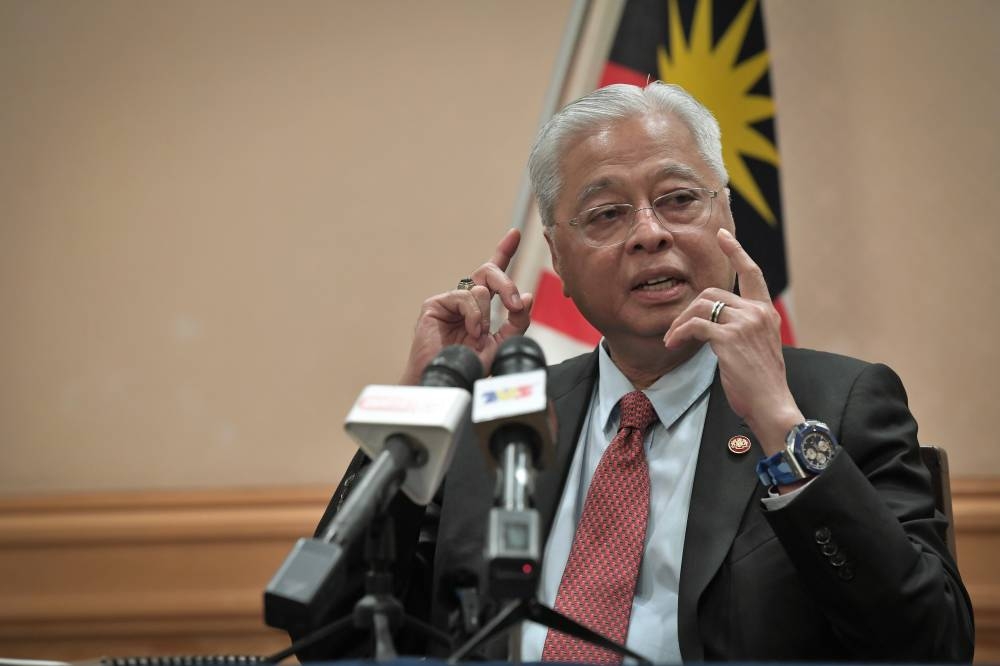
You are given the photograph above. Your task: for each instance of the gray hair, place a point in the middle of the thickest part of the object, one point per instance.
(606, 106)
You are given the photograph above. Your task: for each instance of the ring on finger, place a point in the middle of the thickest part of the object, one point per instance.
(465, 284)
(716, 311)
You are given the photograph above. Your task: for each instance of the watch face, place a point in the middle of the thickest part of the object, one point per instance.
(817, 451)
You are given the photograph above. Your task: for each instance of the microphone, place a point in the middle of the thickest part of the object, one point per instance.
(512, 417)
(409, 431)
(425, 416)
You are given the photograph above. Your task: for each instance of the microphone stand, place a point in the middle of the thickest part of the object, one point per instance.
(518, 610)
(529, 608)
(378, 611)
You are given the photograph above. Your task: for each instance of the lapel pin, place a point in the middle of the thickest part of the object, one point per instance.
(739, 444)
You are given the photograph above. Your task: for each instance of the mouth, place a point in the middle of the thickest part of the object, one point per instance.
(658, 284)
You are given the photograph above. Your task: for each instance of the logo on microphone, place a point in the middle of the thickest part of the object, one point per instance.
(506, 396)
(384, 403)
(510, 393)
(423, 403)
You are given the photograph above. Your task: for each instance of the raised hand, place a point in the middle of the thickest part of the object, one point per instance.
(746, 336)
(462, 316)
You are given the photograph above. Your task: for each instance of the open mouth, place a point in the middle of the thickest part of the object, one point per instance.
(658, 284)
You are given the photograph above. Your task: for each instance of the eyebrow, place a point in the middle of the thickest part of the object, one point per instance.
(671, 170)
(594, 187)
(681, 170)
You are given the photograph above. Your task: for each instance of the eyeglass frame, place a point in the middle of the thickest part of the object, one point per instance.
(574, 222)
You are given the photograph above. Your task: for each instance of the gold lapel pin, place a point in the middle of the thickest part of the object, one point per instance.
(739, 444)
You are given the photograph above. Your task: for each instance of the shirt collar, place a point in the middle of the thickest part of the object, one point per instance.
(671, 395)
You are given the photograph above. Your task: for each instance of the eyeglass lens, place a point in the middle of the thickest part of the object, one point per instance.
(611, 224)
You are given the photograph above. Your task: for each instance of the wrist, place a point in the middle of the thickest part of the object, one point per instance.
(791, 487)
(411, 374)
(773, 431)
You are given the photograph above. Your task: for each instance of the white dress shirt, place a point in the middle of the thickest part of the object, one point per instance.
(680, 399)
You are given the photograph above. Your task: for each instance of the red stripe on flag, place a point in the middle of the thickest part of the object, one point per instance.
(615, 73)
(787, 337)
(556, 311)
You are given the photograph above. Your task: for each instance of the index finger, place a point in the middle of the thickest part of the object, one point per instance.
(493, 276)
(752, 283)
(506, 249)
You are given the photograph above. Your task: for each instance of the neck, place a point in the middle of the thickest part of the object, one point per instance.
(643, 366)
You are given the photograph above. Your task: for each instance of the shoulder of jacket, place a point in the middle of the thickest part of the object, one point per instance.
(566, 375)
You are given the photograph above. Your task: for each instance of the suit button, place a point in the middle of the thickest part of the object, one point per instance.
(846, 572)
(822, 535)
(838, 559)
(829, 549)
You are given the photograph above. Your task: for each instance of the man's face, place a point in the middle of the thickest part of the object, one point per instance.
(634, 161)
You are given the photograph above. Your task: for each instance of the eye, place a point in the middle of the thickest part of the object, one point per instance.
(604, 215)
(677, 200)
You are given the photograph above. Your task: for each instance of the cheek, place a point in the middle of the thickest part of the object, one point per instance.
(588, 277)
(573, 279)
(727, 223)
(709, 265)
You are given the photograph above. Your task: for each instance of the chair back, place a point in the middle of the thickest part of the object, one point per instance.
(936, 460)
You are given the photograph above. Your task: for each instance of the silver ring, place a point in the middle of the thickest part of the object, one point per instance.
(716, 311)
(465, 284)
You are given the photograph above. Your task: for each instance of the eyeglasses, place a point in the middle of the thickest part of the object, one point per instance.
(606, 226)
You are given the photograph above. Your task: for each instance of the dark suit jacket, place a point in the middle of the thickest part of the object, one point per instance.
(855, 568)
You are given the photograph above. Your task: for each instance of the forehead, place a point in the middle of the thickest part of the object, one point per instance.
(631, 153)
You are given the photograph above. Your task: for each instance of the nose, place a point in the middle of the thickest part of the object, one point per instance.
(648, 233)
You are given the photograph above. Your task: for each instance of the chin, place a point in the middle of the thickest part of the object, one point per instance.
(646, 331)
(653, 324)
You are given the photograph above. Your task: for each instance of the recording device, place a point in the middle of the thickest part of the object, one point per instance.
(511, 415)
(409, 431)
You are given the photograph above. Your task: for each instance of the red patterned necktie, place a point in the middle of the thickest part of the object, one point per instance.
(598, 584)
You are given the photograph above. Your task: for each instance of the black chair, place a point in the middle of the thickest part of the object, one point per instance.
(936, 460)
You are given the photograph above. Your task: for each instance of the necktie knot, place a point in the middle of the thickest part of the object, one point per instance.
(637, 411)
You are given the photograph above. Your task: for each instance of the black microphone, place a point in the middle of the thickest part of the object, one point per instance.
(409, 431)
(513, 419)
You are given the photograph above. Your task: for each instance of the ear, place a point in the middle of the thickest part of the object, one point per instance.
(554, 255)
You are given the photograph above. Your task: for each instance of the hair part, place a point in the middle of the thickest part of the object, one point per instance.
(607, 106)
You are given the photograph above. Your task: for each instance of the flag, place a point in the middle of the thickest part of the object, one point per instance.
(716, 50)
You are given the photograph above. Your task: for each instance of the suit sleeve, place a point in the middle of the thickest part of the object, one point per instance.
(867, 542)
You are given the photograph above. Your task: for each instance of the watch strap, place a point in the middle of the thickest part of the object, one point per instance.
(776, 470)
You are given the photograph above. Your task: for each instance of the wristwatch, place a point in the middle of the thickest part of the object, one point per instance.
(810, 447)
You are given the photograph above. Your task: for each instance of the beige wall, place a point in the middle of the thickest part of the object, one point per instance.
(888, 128)
(218, 220)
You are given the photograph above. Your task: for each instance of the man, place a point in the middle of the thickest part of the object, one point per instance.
(838, 556)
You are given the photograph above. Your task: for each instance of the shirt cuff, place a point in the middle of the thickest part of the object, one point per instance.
(775, 500)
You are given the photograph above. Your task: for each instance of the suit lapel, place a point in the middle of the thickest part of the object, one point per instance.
(570, 387)
(724, 483)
